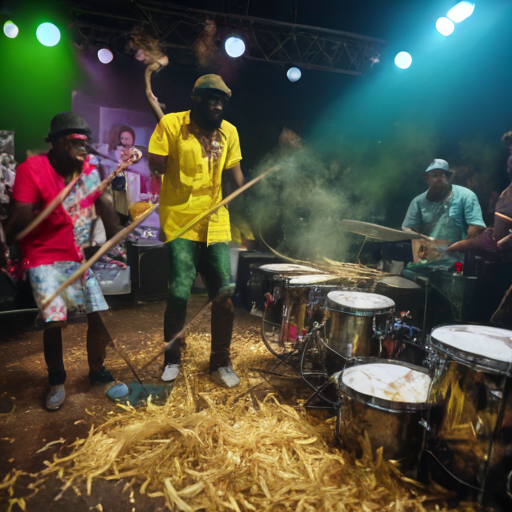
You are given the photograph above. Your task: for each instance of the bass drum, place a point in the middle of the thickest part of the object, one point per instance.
(406, 294)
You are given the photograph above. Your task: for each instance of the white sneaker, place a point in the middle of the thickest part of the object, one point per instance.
(225, 376)
(56, 397)
(171, 371)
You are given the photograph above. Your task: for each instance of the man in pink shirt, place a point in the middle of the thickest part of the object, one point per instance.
(51, 256)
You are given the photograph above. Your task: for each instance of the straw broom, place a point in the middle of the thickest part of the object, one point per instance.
(126, 231)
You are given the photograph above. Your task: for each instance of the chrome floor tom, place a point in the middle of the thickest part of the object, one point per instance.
(469, 430)
(388, 400)
(353, 321)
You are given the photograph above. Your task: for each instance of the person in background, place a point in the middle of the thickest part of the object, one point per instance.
(50, 254)
(444, 212)
(507, 137)
(192, 150)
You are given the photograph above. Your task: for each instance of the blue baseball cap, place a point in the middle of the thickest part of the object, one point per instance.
(439, 164)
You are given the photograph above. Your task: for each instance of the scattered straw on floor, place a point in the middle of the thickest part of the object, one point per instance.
(237, 450)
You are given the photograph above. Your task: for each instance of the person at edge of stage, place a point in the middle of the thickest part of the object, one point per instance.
(50, 253)
(192, 150)
(444, 212)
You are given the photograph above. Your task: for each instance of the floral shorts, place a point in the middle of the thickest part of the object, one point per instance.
(74, 303)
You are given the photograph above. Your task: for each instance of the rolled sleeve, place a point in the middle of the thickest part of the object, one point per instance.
(412, 217)
(473, 211)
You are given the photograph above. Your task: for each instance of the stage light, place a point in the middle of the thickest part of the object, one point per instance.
(445, 26)
(235, 46)
(461, 11)
(105, 55)
(403, 60)
(48, 34)
(293, 74)
(10, 29)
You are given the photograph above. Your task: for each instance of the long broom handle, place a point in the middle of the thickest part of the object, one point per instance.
(119, 236)
(104, 249)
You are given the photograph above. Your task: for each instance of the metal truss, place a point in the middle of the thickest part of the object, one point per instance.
(180, 28)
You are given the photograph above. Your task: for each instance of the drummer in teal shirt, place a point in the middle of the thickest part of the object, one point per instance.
(445, 211)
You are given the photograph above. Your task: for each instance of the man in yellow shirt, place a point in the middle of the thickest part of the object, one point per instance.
(192, 150)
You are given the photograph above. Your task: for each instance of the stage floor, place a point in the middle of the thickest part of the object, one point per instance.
(138, 331)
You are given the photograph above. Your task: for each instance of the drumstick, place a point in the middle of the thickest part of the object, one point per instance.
(49, 208)
(135, 155)
(104, 249)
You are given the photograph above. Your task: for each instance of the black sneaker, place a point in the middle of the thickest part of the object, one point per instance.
(101, 377)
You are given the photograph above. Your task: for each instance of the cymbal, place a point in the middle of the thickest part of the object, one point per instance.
(379, 232)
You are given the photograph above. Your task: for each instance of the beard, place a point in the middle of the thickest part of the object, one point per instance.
(202, 116)
(438, 192)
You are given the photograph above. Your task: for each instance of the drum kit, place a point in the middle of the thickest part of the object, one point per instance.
(441, 404)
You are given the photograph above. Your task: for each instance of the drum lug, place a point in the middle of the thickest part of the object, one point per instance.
(425, 425)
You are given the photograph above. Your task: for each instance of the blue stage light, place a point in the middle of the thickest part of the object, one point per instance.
(10, 29)
(48, 34)
(445, 26)
(403, 60)
(235, 46)
(461, 11)
(293, 74)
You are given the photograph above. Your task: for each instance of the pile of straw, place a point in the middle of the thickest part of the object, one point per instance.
(237, 450)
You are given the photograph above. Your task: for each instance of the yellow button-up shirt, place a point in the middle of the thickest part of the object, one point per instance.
(192, 182)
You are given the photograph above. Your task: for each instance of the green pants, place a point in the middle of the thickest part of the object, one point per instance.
(186, 258)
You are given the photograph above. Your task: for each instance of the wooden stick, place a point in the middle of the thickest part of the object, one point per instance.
(56, 201)
(181, 333)
(119, 236)
(59, 198)
(225, 201)
(104, 249)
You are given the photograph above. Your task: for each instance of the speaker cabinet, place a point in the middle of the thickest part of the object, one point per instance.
(149, 263)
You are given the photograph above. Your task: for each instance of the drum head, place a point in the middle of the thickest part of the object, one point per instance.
(389, 385)
(359, 303)
(298, 281)
(487, 348)
(399, 282)
(289, 268)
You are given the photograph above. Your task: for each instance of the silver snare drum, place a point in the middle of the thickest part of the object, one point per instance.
(387, 399)
(353, 316)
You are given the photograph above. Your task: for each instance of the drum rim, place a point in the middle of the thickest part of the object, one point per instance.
(300, 285)
(303, 268)
(381, 403)
(359, 311)
(415, 287)
(475, 361)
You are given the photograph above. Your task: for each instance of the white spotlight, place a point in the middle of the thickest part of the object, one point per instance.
(10, 29)
(235, 46)
(403, 60)
(461, 11)
(445, 26)
(293, 74)
(105, 55)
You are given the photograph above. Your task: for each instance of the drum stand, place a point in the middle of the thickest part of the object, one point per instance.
(314, 336)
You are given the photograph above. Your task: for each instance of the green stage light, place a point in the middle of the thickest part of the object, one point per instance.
(48, 34)
(10, 29)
